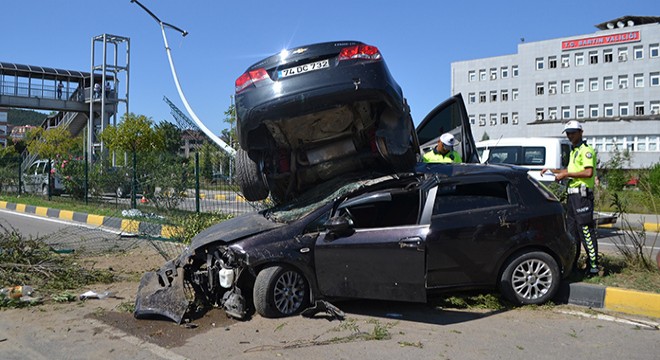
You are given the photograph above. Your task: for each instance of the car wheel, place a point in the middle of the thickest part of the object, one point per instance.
(250, 178)
(530, 278)
(280, 291)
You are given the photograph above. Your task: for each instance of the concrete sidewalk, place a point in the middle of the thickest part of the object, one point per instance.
(582, 294)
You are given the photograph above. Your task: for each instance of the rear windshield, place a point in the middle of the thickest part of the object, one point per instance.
(517, 155)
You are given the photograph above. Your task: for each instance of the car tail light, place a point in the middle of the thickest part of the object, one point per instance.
(366, 52)
(250, 77)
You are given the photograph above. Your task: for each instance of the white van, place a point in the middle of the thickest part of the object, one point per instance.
(534, 153)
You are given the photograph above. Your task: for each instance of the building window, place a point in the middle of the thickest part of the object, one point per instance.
(593, 111)
(623, 54)
(472, 98)
(472, 76)
(552, 88)
(504, 119)
(514, 70)
(552, 113)
(654, 51)
(607, 56)
(505, 72)
(539, 64)
(493, 96)
(579, 85)
(639, 109)
(608, 110)
(638, 52)
(552, 62)
(623, 81)
(608, 83)
(514, 118)
(565, 86)
(655, 107)
(505, 95)
(493, 119)
(482, 97)
(540, 89)
(593, 57)
(593, 84)
(482, 74)
(565, 112)
(579, 59)
(623, 109)
(493, 73)
(482, 120)
(472, 120)
(565, 61)
(514, 94)
(579, 111)
(654, 79)
(638, 80)
(539, 114)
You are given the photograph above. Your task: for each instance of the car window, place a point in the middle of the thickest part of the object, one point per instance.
(402, 209)
(565, 154)
(463, 197)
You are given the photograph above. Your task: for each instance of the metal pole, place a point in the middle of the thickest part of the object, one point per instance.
(134, 182)
(20, 175)
(197, 181)
(86, 185)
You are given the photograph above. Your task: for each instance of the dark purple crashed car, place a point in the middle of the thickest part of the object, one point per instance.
(313, 112)
(443, 227)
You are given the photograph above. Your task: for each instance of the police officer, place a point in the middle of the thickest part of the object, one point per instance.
(581, 174)
(444, 151)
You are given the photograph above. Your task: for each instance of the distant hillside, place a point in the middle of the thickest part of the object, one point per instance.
(17, 117)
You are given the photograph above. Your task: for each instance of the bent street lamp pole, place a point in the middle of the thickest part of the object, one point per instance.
(228, 149)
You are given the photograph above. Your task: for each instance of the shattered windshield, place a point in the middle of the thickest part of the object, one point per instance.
(321, 195)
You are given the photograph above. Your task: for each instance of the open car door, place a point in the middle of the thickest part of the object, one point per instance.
(449, 117)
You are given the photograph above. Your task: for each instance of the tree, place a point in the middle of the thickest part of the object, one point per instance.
(53, 142)
(134, 134)
(171, 136)
(229, 135)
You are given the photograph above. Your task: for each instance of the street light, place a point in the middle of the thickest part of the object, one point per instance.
(228, 149)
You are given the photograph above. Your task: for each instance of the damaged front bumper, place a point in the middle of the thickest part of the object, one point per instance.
(188, 282)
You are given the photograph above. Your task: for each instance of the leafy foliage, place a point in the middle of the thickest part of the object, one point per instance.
(192, 224)
(53, 143)
(20, 117)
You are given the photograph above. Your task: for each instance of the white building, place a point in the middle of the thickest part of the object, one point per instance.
(608, 80)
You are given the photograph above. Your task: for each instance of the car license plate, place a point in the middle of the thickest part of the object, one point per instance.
(301, 69)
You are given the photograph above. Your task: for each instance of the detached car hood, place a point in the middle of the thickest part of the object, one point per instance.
(234, 229)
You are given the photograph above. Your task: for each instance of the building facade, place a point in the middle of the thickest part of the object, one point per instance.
(608, 80)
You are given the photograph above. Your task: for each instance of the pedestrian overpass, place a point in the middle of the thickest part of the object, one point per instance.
(38, 88)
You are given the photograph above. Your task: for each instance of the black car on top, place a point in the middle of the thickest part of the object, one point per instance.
(310, 113)
(394, 237)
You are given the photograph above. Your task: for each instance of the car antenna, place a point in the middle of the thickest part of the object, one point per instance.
(497, 142)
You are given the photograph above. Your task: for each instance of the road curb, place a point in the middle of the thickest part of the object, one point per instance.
(129, 226)
(620, 300)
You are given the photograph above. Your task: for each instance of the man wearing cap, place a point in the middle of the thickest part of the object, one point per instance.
(444, 151)
(581, 174)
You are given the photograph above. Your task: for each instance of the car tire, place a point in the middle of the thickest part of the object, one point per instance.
(280, 291)
(250, 179)
(530, 278)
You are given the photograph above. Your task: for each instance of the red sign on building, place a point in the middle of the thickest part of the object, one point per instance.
(604, 40)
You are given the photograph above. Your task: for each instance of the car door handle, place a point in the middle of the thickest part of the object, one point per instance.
(410, 242)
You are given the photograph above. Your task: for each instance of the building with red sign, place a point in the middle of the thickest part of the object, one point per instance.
(609, 81)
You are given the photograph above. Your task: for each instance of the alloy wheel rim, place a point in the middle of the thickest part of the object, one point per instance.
(532, 279)
(289, 292)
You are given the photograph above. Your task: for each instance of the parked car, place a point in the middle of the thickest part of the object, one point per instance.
(313, 112)
(35, 179)
(398, 237)
(533, 153)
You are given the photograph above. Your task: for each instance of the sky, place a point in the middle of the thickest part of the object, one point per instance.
(418, 39)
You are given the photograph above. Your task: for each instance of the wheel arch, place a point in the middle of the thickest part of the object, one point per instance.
(524, 250)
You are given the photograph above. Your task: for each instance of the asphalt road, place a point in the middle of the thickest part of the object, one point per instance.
(97, 329)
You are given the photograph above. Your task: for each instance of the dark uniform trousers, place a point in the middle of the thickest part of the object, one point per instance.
(580, 224)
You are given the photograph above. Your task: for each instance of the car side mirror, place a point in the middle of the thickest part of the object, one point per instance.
(338, 226)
